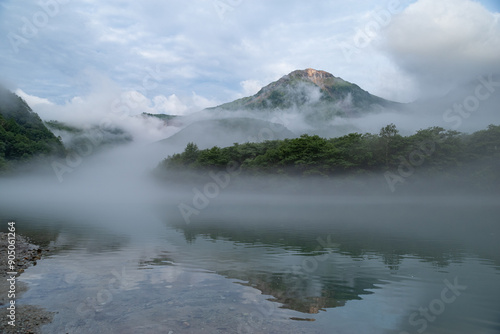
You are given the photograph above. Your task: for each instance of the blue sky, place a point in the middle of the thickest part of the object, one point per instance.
(183, 56)
(493, 5)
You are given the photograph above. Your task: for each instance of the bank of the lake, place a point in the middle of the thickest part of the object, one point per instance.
(28, 318)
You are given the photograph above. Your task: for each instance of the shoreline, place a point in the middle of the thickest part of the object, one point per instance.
(28, 318)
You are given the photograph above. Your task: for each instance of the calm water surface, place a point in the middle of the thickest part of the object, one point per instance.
(269, 265)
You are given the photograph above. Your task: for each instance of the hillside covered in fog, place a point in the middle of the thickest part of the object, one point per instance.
(318, 91)
(308, 122)
(458, 159)
(23, 135)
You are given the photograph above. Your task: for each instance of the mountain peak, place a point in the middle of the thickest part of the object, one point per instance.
(315, 76)
(312, 89)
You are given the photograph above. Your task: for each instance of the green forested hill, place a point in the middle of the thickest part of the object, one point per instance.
(22, 133)
(430, 151)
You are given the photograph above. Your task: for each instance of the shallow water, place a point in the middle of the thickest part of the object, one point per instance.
(268, 265)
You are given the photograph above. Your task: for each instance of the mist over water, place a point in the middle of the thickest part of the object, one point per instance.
(105, 181)
(228, 251)
(255, 257)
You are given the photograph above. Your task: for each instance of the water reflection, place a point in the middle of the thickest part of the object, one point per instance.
(320, 263)
(255, 270)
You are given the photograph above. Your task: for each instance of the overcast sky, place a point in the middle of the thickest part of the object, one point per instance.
(187, 55)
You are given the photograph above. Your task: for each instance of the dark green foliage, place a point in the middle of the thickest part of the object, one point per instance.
(180, 161)
(392, 144)
(443, 149)
(429, 150)
(22, 133)
(485, 142)
(160, 116)
(483, 147)
(60, 126)
(276, 99)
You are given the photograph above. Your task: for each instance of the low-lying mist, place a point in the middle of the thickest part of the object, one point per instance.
(116, 188)
(114, 184)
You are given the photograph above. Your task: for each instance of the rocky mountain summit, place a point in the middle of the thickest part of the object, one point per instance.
(313, 91)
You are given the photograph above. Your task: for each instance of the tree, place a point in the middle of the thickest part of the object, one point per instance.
(191, 153)
(485, 142)
(388, 134)
(436, 147)
(212, 158)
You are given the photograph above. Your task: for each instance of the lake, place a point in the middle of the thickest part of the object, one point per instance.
(266, 264)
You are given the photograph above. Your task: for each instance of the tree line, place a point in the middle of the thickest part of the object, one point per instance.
(431, 150)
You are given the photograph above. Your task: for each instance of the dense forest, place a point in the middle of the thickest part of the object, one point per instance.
(430, 151)
(22, 133)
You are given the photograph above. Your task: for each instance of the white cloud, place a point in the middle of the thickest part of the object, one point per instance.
(105, 108)
(31, 99)
(250, 87)
(445, 42)
(201, 52)
(199, 102)
(169, 105)
(255, 42)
